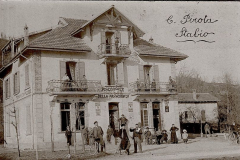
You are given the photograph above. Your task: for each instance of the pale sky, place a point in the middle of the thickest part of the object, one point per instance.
(211, 60)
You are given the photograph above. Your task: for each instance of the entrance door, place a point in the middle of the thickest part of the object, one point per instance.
(156, 116)
(114, 116)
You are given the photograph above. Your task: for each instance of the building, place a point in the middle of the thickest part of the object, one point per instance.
(111, 71)
(194, 107)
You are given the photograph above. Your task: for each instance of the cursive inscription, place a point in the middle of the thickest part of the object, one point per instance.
(197, 33)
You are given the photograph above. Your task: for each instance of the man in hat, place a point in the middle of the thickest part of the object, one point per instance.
(164, 136)
(98, 135)
(123, 120)
(137, 133)
(173, 130)
(109, 133)
(148, 136)
(185, 136)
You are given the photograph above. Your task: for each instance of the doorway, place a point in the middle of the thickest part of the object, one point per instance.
(114, 116)
(109, 42)
(156, 116)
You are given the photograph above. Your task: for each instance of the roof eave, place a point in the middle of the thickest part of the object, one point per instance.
(178, 58)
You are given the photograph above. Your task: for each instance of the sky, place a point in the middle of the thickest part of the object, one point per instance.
(217, 23)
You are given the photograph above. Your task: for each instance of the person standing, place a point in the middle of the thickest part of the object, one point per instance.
(185, 136)
(68, 134)
(173, 130)
(148, 136)
(207, 129)
(85, 135)
(98, 135)
(109, 133)
(123, 120)
(137, 133)
(125, 142)
(159, 136)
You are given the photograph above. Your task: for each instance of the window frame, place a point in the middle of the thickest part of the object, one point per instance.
(64, 110)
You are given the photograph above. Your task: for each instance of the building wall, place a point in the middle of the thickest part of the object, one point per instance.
(211, 111)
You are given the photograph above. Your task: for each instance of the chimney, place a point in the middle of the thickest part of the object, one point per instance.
(26, 36)
(194, 94)
(12, 46)
(151, 40)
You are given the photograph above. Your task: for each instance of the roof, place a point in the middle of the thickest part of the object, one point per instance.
(201, 97)
(60, 37)
(146, 48)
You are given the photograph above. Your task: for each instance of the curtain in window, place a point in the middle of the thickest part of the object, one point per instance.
(72, 70)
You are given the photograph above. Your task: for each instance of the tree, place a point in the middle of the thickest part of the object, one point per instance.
(13, 113)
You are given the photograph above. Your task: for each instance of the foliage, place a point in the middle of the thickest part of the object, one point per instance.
(226, 90)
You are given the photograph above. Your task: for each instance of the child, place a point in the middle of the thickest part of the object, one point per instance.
(185, 136)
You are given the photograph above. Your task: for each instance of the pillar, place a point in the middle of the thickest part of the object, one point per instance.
(150, 115)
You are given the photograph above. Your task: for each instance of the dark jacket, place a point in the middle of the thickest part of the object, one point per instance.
(136, 133)
(97, 132)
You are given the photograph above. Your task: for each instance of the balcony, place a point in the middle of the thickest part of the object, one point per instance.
(114, 51)
(60, 87)
(141, 87)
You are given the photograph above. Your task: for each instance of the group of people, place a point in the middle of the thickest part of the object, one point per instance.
(122, 136)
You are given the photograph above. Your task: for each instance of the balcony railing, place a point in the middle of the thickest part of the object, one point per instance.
(140, 87)
(114, 50)
(87, 86)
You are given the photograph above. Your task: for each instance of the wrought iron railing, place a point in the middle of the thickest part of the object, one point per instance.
(113, 49)
(152, 87)
(74, 86)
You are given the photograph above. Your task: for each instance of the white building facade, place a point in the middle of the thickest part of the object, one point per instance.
(111, 70)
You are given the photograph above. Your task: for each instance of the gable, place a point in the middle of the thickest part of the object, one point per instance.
(113, 18)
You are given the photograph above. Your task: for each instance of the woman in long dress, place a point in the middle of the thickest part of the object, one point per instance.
(125, 142)
(173, 130)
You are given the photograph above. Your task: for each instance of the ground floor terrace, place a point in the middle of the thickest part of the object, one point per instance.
(47, 120)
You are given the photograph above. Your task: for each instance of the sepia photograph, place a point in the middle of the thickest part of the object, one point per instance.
(104, 80)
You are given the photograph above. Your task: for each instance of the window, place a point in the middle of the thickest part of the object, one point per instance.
(111, 73)
(16, 79)
(28, 121)
(144, 114)
(74, 70)
(27, 85)
(7, 88)
(80, 117)
(65, 116)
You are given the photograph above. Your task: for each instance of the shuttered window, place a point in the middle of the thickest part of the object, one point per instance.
(141, 73)
(28, 121)
(27, 84)
(16, 79)
(8, 124)
(120, 74)
(7, 88)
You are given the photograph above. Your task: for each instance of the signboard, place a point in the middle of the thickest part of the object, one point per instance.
(98, 109)
(130, 106)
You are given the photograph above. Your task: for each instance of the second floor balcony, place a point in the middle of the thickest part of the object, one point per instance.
(141, 87)
(114, 50)
(60, 87)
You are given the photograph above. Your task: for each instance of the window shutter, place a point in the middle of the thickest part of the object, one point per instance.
(27, 76)
(156, 73)
(141, 73)
(62, 69)
(18, 82)
(120, 73)
(103, 37)
(203, 115)
(81, 66)
(6, 88)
